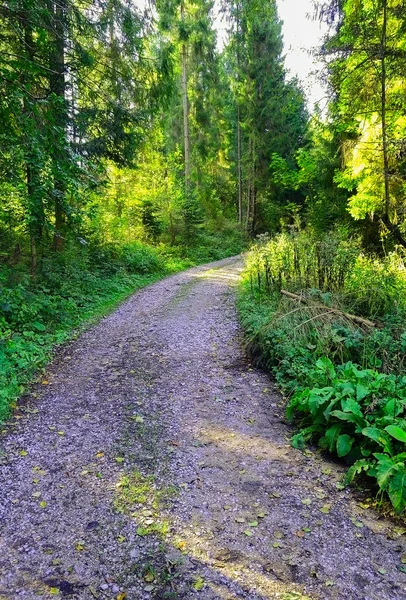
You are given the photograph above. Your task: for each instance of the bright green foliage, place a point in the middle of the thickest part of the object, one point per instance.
(366, 60)
(359, 415)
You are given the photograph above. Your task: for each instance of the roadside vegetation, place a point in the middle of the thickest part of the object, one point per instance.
(73, 289)
(329, 321)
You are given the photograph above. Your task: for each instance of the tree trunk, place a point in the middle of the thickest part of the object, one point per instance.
(186, 134)
(31, 164)
(58, 87)
(239, 144)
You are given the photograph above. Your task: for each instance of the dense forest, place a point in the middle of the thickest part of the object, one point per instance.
(133, 144)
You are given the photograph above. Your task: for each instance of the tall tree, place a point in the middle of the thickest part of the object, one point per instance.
(270, 108)
(367, 60)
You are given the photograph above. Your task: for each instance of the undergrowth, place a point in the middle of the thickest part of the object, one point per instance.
(70, 290)
(344, 378)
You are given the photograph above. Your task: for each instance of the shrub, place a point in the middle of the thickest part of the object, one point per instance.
(357, 415)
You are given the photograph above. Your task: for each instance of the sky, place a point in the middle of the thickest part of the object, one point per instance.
(301, 34)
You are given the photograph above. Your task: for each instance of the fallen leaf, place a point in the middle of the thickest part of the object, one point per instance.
(36, 494)
(382, 571)
(279, 535)
(325, 509)
(119, 459)
(239, 519)
(23, 453)
(43, 504)
(276, 545)
(248, 532)
(253, 524)
(307, 501)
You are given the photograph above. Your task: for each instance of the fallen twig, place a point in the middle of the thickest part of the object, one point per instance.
(354, 318)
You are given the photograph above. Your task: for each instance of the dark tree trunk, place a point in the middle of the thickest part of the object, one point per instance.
(58, 87)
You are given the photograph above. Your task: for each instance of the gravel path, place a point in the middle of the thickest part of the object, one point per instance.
(152, 462)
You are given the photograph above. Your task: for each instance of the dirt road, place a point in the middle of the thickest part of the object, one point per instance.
(152, 462)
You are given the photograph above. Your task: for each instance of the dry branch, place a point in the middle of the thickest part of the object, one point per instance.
(354, 318)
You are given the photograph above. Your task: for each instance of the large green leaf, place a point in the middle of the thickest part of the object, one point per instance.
(325, 364)
(385, 468)
(332, 434)
(397, 490)
(397, 433)
(379, 436)
(350, 417)
(344, 444)
(360, 465)
(318, 397)
(362, 392)
(351, 405)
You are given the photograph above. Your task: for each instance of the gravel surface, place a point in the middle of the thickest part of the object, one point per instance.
(153, 462)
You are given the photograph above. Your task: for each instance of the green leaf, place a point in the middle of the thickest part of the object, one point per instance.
(397, 433)
(350, 417)
(325, 365)
(386, 467)
(344, 444)
(362, 392)
(360, 465)
(397, 490)
(350, 405)
(379, 436)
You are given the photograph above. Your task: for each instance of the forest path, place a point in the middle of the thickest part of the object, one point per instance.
(154, 463)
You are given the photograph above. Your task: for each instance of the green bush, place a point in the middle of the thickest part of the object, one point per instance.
(358, 415)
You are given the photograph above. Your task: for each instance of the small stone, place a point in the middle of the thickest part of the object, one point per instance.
(115, 589)
(104, 586)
